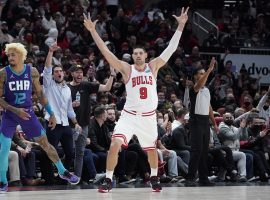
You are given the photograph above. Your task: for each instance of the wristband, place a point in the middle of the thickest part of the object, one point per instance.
(48, 108)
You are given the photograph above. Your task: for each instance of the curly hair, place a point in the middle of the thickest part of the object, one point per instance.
(19, 48)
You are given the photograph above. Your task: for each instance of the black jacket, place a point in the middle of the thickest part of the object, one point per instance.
(100, 137)
(179, 139)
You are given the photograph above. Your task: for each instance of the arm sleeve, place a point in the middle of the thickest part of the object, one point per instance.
(173, 44)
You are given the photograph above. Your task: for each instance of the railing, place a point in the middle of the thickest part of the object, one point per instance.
(254, 51)
(204, 24)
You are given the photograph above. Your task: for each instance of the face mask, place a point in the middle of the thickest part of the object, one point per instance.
(94, 98)
(265, 107)
(161, 101)
(247, 104)
(230, 101)
(228, 122)
(160, 121)
(4, 31)
(257, 128)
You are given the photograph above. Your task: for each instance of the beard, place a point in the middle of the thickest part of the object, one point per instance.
(139, 62)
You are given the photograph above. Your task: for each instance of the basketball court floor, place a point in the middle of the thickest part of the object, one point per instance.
(248, 191)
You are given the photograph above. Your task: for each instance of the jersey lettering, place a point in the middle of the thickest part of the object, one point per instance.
(142, 80)
(19, 85)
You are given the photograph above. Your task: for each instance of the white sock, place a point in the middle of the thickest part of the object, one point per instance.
(109, 174)
(154, 171)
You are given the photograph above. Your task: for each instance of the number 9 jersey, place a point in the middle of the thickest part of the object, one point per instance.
(141, 90)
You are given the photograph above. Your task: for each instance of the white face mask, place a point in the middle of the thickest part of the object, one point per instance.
(160, 121)
(94, 98)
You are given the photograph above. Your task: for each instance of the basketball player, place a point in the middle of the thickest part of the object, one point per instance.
(138, 116)
(16, 83)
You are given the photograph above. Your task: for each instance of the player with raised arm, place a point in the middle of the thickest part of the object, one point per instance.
(139, 114)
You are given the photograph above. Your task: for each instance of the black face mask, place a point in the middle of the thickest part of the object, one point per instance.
(265, 107)
(4, 31)
(230, 101)
(247, 104)
(228, 122)
(256, 128)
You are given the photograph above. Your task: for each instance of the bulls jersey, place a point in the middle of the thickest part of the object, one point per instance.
(141, 90)
(18, 87)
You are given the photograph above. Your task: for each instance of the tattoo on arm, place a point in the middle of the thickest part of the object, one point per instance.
(3, 103)
(37, 87)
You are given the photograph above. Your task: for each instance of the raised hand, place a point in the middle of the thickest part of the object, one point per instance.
(53, 47)
(243, 123)
(88, 23)
(182, 19)
(113, 72)
(212, 64)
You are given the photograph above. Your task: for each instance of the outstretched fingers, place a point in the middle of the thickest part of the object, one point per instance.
(187, 10)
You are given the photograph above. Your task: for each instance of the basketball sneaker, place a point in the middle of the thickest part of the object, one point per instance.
(3, 187)
(155, 184)
(71, 178)
(106, 186)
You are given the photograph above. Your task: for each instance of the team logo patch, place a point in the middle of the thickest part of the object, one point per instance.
(147, 71)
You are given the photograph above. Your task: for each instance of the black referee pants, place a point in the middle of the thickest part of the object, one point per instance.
(199, 141)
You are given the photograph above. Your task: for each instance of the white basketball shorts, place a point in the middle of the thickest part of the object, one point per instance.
(143, 125)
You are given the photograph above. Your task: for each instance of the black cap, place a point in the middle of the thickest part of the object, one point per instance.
(75, 68)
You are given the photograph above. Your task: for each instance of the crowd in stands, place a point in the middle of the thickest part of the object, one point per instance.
(239, 152)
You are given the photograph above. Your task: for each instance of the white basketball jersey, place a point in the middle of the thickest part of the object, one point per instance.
(141, 90)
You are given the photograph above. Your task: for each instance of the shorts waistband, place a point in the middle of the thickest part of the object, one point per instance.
(143, 114)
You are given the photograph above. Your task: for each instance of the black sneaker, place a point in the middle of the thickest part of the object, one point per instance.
(190, 183)
(155, 184)
(106, 186)
(206, 183)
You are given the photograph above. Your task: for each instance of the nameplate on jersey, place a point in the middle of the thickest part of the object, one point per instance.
(142, 80)
(20, 85)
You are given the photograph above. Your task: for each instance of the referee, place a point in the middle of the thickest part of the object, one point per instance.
(200, 112)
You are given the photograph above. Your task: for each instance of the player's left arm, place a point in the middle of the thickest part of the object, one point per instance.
(41, 96)
(160, 61)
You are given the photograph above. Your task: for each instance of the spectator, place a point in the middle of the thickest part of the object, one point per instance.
(59, 95)
(230, 136)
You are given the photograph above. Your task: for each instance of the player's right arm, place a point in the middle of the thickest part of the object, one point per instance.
(201, 83)
(117, 64)
(21, 112)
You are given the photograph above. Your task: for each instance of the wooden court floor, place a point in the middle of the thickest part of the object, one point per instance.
(168, 193)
